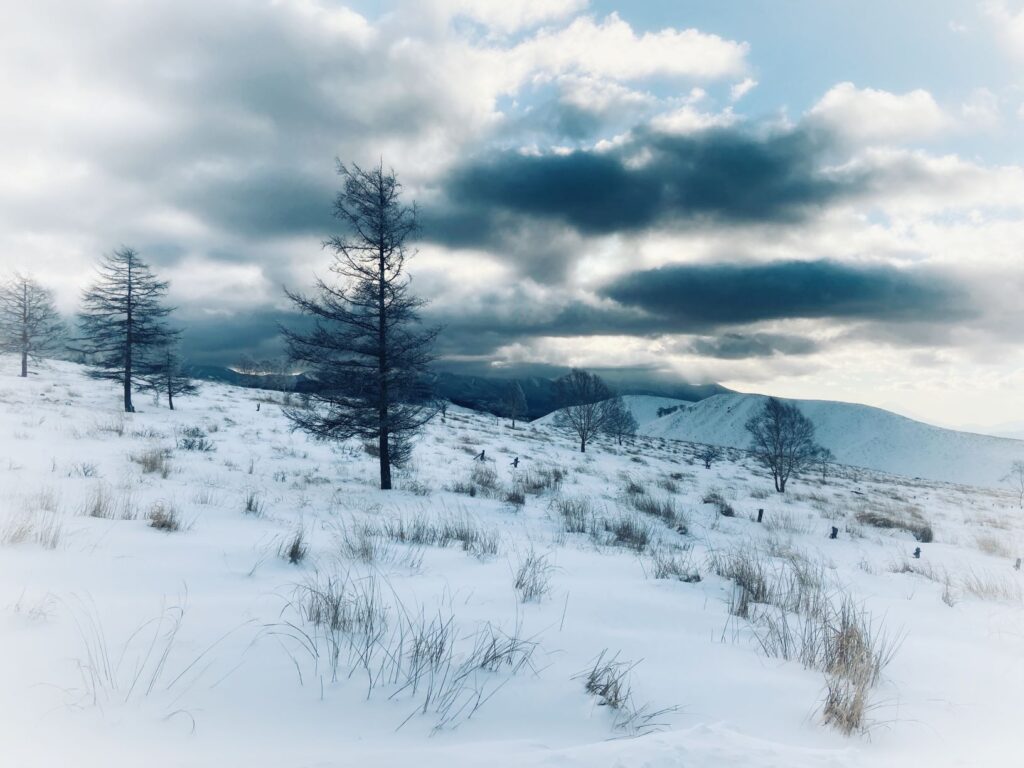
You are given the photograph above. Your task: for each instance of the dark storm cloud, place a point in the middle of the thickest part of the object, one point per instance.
(739, 346)
(725, 175)
(695, 296)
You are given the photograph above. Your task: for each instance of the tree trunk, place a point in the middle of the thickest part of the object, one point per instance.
(170, 400)
(382, 373)
(128, 341)
(583, 445)
(24, 363)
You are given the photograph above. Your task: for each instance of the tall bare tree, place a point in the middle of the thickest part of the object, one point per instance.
(513, 402)
(782, 440)
(368, 351)
(122, 321)
(30, 326)
(1015, 479)
(586, 403)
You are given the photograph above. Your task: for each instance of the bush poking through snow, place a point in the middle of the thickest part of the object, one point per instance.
(533, 577)
(675, 564)
(164, 517)
(253, 504)
(576, 514)
(154, 461)
(717, 500)
(295, 548)
(194, 439)
(909, 520)
(609, 680)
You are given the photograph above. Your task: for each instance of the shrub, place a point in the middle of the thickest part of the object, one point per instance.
(533, 577)
(154, 460)
(194, 439)
(163, 517)
(717, 500)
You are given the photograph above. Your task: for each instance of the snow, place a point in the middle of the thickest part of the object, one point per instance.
(248, 694)
(858, 435)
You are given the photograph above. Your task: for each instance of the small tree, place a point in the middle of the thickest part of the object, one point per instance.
(29, 324)
(165, 375)
(586, 405)
(824, 459)
(1015, 479)
(709, 454)
(782, 440)
(367, 353)
(122, 321)
(513, 402)
(622, 424)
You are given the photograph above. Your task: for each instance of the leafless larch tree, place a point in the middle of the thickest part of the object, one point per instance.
(122, 322)
(30, 326)
(368, 352)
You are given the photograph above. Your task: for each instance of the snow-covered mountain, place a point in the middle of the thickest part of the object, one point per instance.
(857, 434)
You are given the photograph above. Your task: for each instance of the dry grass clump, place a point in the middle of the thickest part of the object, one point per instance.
(533, 577)
(44, 528)
(608, 679)
(718, 501)
(675, 564)
(154, 461)
(907, 519)
(993, 545)
(164, 517)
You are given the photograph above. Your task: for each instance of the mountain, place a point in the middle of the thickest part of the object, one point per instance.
(481, 393)
(484, 393)
(858, 435)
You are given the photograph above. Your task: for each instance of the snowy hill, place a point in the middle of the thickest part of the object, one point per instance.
(206, 588)
(858, 435)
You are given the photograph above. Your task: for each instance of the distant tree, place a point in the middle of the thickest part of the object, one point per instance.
(122, 321)
(368, 352)
(621, 423)
(586, 405)
(709, 454)
(165, 375)
(513, 402)
(824, 459)
(1015, 479)
(30, 326)
(782, 440)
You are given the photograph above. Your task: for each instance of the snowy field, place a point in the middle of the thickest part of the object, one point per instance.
(458, 620)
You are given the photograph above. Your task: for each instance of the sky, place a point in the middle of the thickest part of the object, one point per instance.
(805, 198)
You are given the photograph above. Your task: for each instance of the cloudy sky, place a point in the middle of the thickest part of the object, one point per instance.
(799, 198)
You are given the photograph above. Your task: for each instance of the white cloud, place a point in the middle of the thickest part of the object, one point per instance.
(742, 88)
(1009, 25)
(611, 48)
(509, 16)
(982, 110)
(869, 115)
(687, 119)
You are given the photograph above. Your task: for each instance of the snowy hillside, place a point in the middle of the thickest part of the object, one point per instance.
(206, 588)
(857, 434)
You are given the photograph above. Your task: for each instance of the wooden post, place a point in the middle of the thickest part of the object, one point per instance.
(760, 515)
(917, 553)
(834, 534)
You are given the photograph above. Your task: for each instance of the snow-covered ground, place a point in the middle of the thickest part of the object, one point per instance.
(125, 645)
(857, 434)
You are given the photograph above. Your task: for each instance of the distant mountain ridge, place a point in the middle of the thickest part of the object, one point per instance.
(479, 393)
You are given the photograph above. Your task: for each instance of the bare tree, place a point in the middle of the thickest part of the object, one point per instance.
(709, 454)
(1015, 479)
(513, 402)
(782, 439)
(586, 405)
(824, 459)
(30, 326)
(122, 321)
(368, 352)
(622, 424)
(165, 375)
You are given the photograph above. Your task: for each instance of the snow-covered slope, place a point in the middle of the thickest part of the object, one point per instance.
(857, 434)
(125, 644)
